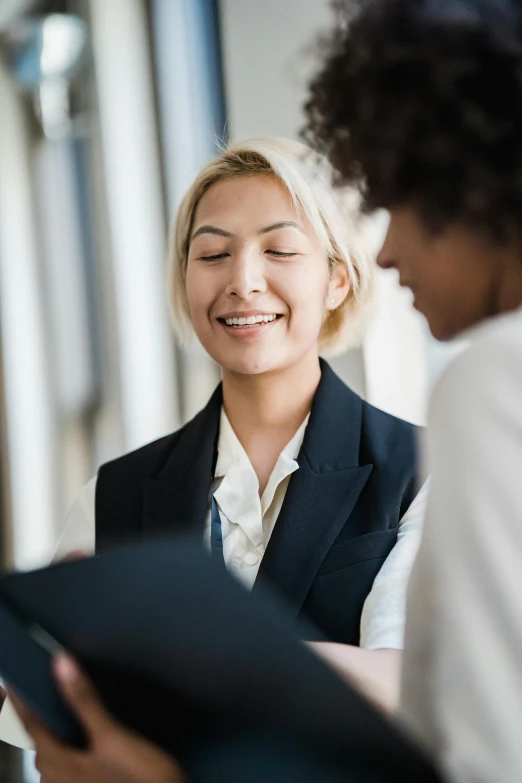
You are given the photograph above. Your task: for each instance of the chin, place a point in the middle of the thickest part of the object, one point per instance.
(440, 328)
(250, 368)
(443, 332)
(246, 365)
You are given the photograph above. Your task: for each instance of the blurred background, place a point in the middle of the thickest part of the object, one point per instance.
(108, 108)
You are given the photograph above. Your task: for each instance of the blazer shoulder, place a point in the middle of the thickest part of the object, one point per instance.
(147, 460)
(388, 436)
(386, 422)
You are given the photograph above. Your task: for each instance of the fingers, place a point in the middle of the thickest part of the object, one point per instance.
(76, 554)
(21, 710)
(81, 696)
(54, 760)
(34, 726)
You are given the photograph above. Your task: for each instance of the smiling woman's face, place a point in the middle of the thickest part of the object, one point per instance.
(257, 277)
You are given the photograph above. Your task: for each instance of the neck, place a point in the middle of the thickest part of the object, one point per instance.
(266, 410)
(510, 289)
(507, 291)
(271, 401)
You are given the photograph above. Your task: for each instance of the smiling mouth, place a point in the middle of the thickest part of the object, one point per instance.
(249, 322)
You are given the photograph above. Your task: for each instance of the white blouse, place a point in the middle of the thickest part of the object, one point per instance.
(247, 524)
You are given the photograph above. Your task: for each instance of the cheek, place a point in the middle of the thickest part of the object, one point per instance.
(198, 289)
(445, 280)
(307, 298)
(308, 288)
(420, 269)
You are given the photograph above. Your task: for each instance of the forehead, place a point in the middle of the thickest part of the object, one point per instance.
(257, 199)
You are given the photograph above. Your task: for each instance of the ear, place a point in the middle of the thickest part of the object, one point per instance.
(338, 286)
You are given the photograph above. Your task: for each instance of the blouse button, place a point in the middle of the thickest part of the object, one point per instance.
(251, 558)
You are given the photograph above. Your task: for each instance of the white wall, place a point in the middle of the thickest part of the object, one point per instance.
(268, 60)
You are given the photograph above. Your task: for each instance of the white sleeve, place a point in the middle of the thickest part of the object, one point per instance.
(462, 675)
(78, 534)
(79, 530)
(384, 612)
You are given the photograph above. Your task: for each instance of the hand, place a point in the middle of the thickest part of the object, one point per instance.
(76, 554)
(115, 754)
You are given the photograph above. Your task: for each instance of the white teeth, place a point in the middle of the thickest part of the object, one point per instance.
(251, 320)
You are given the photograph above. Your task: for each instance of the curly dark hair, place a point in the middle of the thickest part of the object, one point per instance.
(420, 102)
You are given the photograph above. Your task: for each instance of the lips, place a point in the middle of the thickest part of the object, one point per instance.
(251, 320)
(248, 324)
(244, 319)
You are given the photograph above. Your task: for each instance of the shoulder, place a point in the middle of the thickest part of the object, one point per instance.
(377, 427)
(388, 436)
(378, 422)
(149, 460)
(145, 461)
(120, 486)
(475, 435)
(486, 377)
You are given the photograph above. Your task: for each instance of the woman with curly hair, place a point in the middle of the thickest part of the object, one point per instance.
(419, 103)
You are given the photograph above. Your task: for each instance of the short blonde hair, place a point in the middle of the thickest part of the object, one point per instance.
(307, 178)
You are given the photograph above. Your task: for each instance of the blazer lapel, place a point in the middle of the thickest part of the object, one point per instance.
(177, 498)
(321, 494)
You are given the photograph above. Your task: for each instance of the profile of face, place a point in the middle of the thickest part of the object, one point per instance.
(257, 277)
(452, 274)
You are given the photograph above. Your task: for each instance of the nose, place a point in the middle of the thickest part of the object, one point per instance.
(386, 256)
(246, 275)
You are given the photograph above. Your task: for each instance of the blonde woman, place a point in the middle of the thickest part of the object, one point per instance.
(311, 484)
(287, 475)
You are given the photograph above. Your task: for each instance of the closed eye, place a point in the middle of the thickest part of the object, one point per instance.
(215, 257)
(276, 253)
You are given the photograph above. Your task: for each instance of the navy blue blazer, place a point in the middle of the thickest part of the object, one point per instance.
(357, 477)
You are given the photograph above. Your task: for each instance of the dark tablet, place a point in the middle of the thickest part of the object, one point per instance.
(182, 653)
(25, 665)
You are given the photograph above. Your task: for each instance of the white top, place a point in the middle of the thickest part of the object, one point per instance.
(248, 520)
(247, 524)
(462, 684)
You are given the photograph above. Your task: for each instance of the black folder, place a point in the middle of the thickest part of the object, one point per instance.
(181, 653)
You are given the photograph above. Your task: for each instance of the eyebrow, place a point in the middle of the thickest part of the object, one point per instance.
(282, 224)
(220, 232)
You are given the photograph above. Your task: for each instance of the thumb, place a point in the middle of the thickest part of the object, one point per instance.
(76, 554)
(81, 696)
